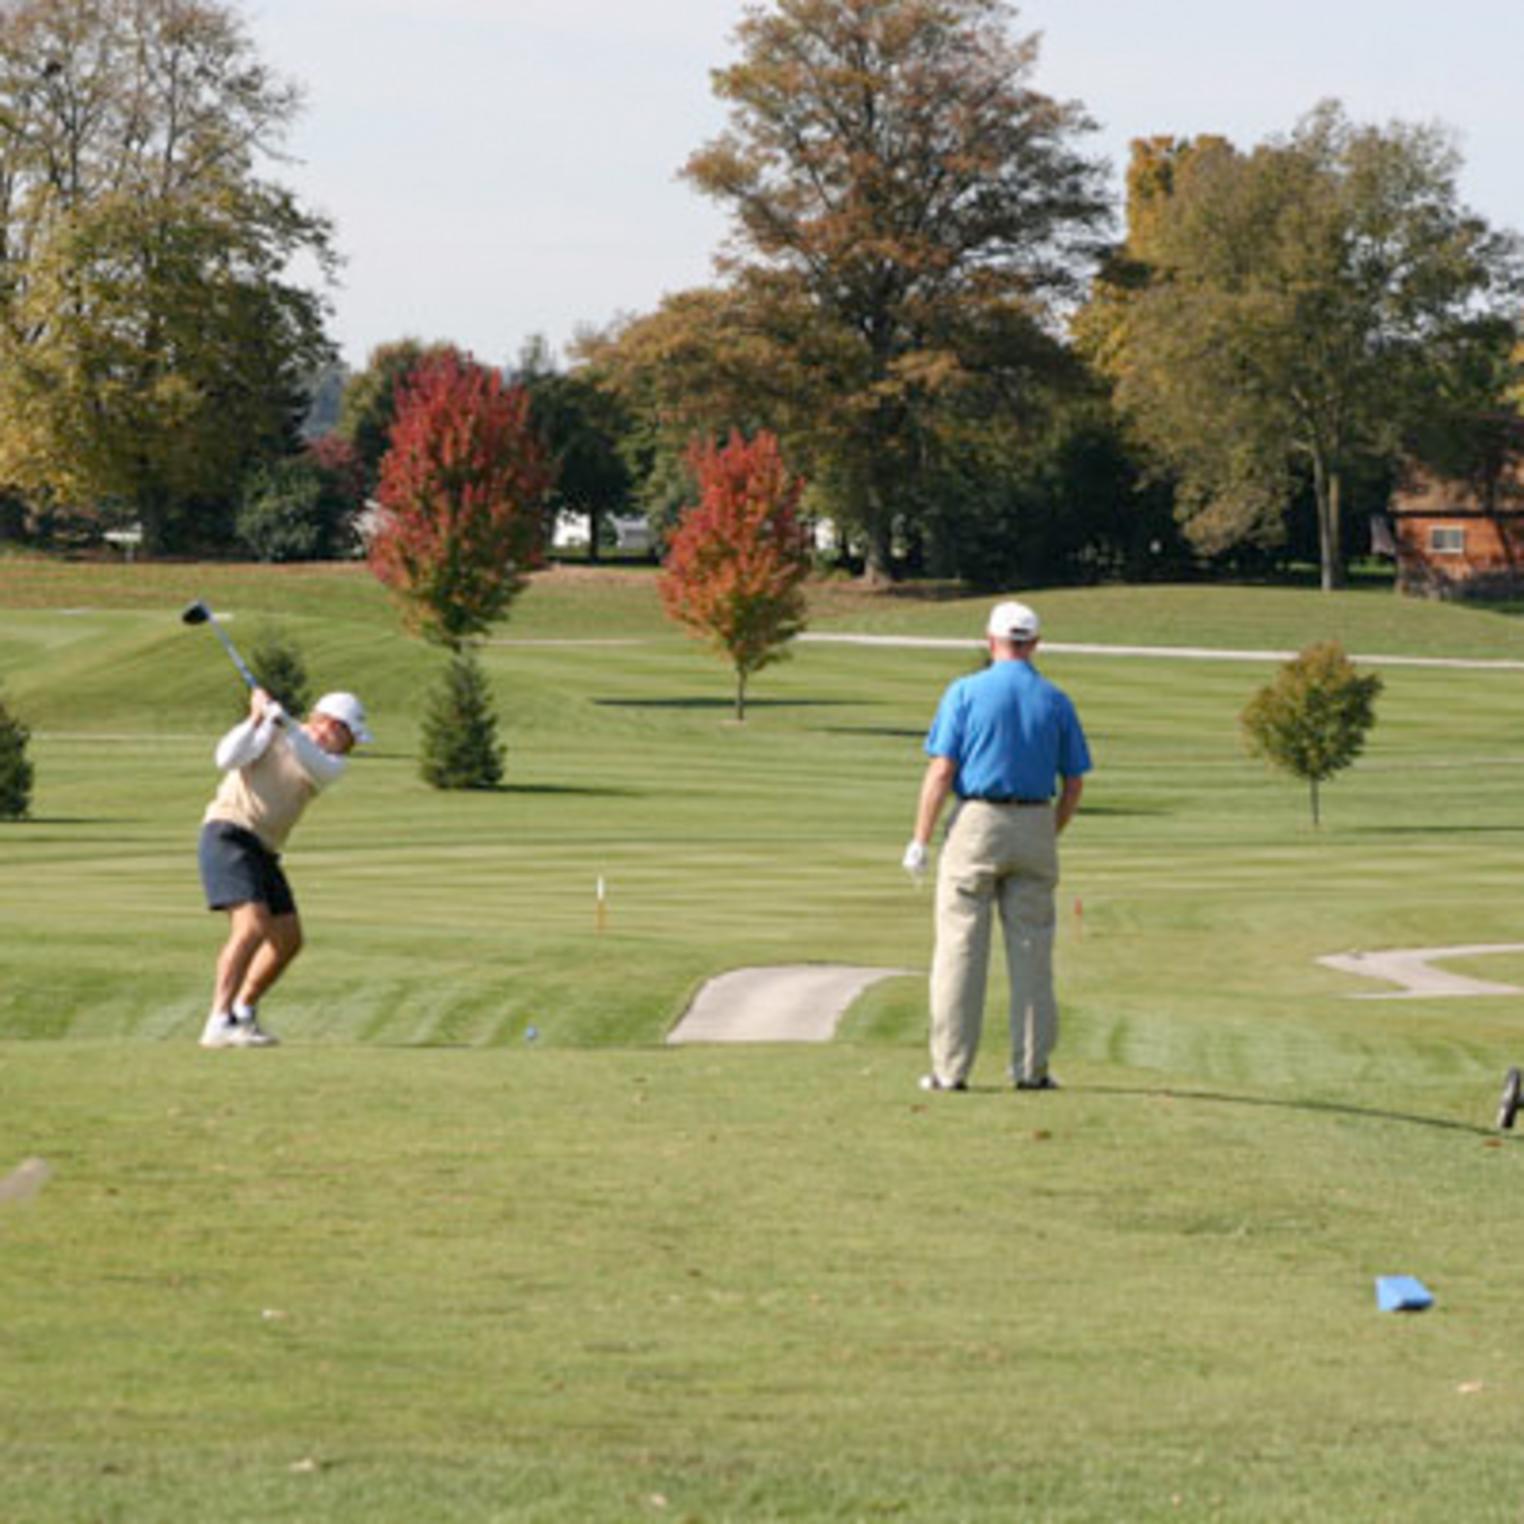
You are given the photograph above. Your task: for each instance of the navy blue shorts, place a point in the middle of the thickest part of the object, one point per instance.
(237, 868)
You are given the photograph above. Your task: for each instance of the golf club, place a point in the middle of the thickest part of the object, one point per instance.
(1508, 1106)
(199, 613)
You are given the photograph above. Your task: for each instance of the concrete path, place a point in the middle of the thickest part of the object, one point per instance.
(1185, 653)
(1059, 647)
(1409, 968)
(793, 1002)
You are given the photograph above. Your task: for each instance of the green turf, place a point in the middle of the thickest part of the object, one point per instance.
(589, 1277)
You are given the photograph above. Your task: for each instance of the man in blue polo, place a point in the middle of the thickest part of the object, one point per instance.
(1005, 742)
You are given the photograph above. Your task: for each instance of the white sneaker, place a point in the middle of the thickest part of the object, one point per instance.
(218, 1031)
(935, 1082)
(247, 1033)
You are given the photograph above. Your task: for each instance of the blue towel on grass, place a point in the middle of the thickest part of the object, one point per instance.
(1402, 1293)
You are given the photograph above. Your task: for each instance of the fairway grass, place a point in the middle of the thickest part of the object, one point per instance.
(775, 1284)
(414, 1265)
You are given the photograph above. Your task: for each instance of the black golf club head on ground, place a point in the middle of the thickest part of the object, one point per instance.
(195, 613)
(1508, 1106)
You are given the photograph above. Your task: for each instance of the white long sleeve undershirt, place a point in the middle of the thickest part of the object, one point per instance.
(247, 742)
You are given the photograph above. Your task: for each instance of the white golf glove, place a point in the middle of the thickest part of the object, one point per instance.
(915, 860)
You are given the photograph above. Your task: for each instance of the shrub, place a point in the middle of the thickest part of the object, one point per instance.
(15, 770)
(276, 660)
(460, 746)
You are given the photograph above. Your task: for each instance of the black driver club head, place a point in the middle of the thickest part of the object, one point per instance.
(195, 613)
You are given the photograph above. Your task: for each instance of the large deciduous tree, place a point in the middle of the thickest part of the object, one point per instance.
(736, 565)
(152, 342)
(1298, 311)
(584, 426)
(906, 208)
(462, 490)
(368, 403)
(304, 507)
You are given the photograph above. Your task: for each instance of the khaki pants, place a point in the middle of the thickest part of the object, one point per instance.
(1003, 855)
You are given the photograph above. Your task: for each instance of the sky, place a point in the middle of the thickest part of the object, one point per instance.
(499, 170)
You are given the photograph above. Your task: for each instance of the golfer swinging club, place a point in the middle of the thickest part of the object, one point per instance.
(1003, 741)
(272, 767)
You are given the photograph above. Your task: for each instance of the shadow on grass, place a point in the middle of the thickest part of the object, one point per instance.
(71, 820)
(575, 790)
(569, 790)
(890, 732)
(727, 703)
(1436, 830)
(1121, 811)
(1329, 1108)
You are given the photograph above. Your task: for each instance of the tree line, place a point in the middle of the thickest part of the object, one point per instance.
(976, 368)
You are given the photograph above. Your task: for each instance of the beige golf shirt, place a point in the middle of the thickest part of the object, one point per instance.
(271, 774)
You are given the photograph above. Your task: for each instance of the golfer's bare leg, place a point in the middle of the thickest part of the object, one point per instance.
(281, 942)
(248, 928)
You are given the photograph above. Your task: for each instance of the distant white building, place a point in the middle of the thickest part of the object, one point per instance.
(631, 533)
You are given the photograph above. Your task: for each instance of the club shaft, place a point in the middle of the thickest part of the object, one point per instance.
(232, 650)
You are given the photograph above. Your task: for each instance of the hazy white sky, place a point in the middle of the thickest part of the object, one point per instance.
(504, 168)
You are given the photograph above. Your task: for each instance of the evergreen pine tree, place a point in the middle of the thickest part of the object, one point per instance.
(15, 770)
(281, 669)
(460, 745)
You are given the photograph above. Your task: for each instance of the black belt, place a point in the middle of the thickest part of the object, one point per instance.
(1015, 799)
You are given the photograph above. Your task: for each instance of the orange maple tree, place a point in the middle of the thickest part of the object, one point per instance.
(736, 565)
(462, 490)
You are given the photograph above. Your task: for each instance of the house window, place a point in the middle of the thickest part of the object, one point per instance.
(1447, 541)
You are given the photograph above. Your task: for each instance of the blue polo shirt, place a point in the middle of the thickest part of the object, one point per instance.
(1011, 732)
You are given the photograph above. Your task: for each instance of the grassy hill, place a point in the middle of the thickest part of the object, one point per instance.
(411, 1266)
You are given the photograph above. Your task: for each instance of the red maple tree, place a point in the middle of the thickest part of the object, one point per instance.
(462, 489)
(736, 565)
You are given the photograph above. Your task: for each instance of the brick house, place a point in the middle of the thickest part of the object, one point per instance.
(1461, 538)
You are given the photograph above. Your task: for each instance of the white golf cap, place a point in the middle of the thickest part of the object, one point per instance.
(348, 711)
(1013, 621)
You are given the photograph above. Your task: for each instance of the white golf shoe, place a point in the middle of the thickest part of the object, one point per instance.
(218, 1031)
(247, 1033)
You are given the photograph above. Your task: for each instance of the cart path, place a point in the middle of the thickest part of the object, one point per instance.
(791, 1002)
(804, 1002)
(1409, 967)
(1053, 647)
(1185, 653)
